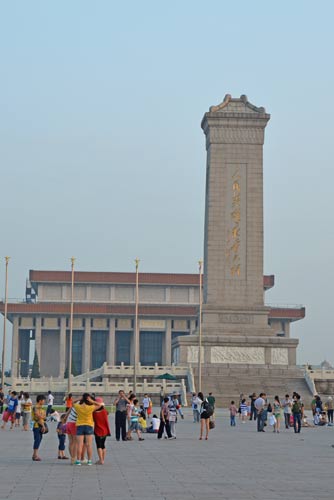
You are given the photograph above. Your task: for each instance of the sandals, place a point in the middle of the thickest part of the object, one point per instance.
(36, 459)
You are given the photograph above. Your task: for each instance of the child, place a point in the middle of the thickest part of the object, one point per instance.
(101, 430)
(154, 427)
(61, 432)
(142, 420)
(233, 412)
(243, 410)
(134, 425)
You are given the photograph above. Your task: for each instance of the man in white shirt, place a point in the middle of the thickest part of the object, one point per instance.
(146, 403)
(50, 403)
(259, 404)
(287, 405)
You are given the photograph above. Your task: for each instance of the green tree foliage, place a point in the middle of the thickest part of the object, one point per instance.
(35, 373)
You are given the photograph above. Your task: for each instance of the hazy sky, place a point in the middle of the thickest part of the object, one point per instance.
(102, 155)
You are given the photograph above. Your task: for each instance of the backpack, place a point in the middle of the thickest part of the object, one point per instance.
(207, 408)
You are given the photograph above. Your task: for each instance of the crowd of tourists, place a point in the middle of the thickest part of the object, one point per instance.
(86, 417)
(289, 411)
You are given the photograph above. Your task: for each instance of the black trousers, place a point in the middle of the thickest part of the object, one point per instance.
(120, 425)
(164, 424)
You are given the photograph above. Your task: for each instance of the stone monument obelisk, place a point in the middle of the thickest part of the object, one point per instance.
(235, 320)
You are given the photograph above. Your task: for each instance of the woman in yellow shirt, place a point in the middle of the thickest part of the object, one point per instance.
(85, 425)
(38, 417)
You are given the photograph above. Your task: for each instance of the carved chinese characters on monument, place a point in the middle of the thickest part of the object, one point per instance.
(235, 222)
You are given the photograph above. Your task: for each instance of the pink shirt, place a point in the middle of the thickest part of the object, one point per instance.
(233, 410)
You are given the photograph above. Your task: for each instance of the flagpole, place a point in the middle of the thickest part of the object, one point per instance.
(200, 264)
(136, 332)
(4, 325)
(69, 380)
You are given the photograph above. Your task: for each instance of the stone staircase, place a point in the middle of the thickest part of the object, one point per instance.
(227, 382)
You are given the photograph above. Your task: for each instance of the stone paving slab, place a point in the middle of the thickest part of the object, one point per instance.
(234, 464)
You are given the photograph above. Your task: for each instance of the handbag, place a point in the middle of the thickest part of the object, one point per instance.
(272, 420)
(212, 424)
(46, 428)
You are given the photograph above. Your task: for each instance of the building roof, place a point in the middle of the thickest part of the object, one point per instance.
(37, 277)
(92, 309)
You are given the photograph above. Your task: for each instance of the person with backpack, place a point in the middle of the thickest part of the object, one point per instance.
(297, 409)
(206, 412)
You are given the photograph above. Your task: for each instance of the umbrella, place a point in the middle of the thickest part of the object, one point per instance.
(166, 376)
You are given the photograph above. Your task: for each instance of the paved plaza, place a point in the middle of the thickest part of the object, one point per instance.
(235, 464)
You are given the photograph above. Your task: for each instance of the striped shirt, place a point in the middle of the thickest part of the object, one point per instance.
(243, 408)
(72, 417)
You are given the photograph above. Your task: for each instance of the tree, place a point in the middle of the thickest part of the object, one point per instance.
(35, 373)
(75, 371)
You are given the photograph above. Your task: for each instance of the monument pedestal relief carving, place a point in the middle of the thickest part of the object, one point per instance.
(235, 328)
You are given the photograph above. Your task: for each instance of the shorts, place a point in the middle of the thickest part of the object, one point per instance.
(134, 426)
(17, 415)
(205, 415)
(71, 428)
(26, 418)
(7, 415)
(100, 442)
(85, 430)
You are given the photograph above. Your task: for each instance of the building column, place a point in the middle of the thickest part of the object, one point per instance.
(15, 346)
(62, 347)
(87, 346)
(111, 343)
(38, 338)
(168, 343)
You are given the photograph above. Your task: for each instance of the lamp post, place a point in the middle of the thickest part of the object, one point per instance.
(71, 328)
(4, 325)
(200, 266)
(136, 332)
(19, 362)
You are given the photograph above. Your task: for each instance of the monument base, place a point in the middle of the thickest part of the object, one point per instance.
(234, 365)
(237, 349)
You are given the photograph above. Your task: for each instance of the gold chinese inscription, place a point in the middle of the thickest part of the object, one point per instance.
(233, 239)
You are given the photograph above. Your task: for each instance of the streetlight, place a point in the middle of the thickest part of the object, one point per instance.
(71, 328)
(200, 265)
(19, 362)
(4, 325)
(136, 333)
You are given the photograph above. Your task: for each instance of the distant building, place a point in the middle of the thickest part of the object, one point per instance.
(103, 327)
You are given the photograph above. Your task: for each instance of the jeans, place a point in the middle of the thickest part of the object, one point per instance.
(297, 421)
(330, 416)
(49, 410)
(196, 415)
(260, 421)
(253, 413)
(120, 425)
(61, 442)
(232, 420)
(287, 420)
(38, 436)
